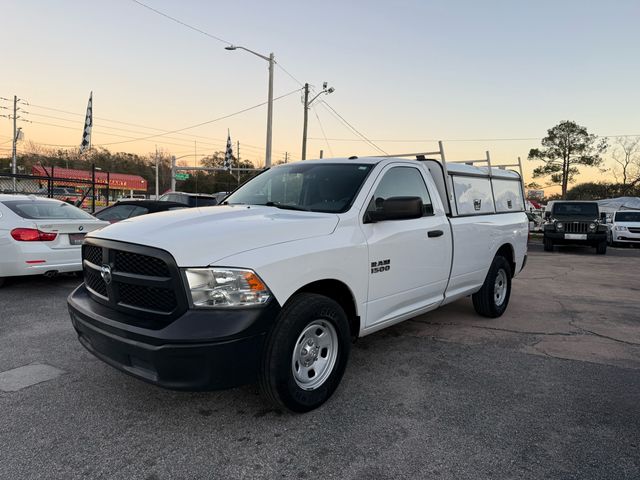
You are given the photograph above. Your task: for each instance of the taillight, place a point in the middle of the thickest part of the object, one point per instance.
(32, 235)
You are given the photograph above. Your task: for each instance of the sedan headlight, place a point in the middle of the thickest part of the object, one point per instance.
(226, 287)
(621, 228)
(559, 225)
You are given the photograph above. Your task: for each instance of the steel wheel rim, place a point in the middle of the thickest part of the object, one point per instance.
(500, 288)
(314, 355)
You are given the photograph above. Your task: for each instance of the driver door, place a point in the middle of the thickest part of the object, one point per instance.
(409, 259)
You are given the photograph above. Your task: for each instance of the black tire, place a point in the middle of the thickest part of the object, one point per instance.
(548, 244)
(601, 248)
(278, 382)
(1, 281)
(490, 301)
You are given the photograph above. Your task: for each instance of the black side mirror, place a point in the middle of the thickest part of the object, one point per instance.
(547, 215)
(603, 217)
(395, 208)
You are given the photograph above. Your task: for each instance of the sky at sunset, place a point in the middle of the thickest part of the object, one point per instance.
(406, 73)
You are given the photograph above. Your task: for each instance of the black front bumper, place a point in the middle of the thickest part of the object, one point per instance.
(592, 239)
(200, 350)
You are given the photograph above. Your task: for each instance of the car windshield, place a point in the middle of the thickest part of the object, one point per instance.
(197, 201)
(576, 209)
(46, 210)
(311, 186)
(628, 217)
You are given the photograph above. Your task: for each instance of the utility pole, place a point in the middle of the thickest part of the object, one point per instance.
(157, 183)
(173, 173)
(307, 103)
(286, 157)
(267, 159)
(306, 120)
(14, 169)
(321, 152)
(238, 161)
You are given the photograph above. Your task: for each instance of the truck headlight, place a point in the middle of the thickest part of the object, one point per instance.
(226, 287)
(559, 225)
(592, 226)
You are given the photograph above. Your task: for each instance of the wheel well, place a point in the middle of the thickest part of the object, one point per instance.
(339, 292)
(506, 251)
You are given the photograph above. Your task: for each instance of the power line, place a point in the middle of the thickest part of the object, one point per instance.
(184, 24)
(453, 140)
(164, 130)
(204, 123)
(331, 109)
(322, 129)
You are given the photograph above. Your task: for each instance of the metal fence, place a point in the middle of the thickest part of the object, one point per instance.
(86, 194)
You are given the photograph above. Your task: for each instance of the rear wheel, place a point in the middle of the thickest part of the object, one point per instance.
(306, 353)
(548, 244)
(492, 299)
(601, 248)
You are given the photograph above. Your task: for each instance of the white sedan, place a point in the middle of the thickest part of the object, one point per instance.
(41, 235)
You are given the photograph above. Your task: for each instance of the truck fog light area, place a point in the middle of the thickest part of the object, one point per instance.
(226, 287)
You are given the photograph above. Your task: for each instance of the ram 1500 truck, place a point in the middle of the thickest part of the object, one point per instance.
(275, 284)
(574, 223)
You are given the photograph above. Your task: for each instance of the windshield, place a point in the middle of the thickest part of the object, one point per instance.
(627, 216)
(43, 210)
(576, 209)
(312, 186)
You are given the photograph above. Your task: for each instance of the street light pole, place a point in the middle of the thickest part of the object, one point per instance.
(307, 103)
(271, 60)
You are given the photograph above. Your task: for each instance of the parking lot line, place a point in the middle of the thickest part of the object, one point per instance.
(27, 375)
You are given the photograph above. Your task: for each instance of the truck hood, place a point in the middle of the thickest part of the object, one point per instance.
(202, 236)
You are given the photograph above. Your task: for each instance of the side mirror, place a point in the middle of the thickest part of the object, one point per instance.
(547, 215)
(395, 208)
(603, 217)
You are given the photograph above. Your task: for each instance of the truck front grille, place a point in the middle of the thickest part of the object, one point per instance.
(576, 227)
(140, 281)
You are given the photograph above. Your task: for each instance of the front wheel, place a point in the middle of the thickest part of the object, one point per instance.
(601, 248)
(305, 353)
(1, 281)
(548, 244)
(492, 299)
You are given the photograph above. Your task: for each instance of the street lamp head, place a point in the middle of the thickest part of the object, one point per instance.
(331, 90)
(230, 47)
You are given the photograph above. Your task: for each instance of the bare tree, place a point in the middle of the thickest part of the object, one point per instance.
(626, 156)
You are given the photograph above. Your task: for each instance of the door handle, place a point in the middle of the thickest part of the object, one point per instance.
(435, 233)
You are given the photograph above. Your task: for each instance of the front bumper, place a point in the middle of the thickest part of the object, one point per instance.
(200, 350)
(560, 238)
(625, 236)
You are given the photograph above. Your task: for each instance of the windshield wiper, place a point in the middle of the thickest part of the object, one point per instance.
(284, 206)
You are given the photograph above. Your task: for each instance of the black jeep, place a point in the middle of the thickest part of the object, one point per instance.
(574, 223)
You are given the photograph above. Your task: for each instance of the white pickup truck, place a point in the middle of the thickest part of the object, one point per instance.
(274, 284)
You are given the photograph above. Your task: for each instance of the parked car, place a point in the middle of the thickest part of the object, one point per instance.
(66, 194)
(274, 285)
(41, 235)
(190, 199)
(624, 228)
(574, 223)
(133, 208)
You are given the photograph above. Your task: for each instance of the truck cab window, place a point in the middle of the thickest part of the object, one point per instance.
(402, 182)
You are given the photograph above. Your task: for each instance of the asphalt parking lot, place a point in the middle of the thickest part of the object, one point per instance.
(549, 390)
